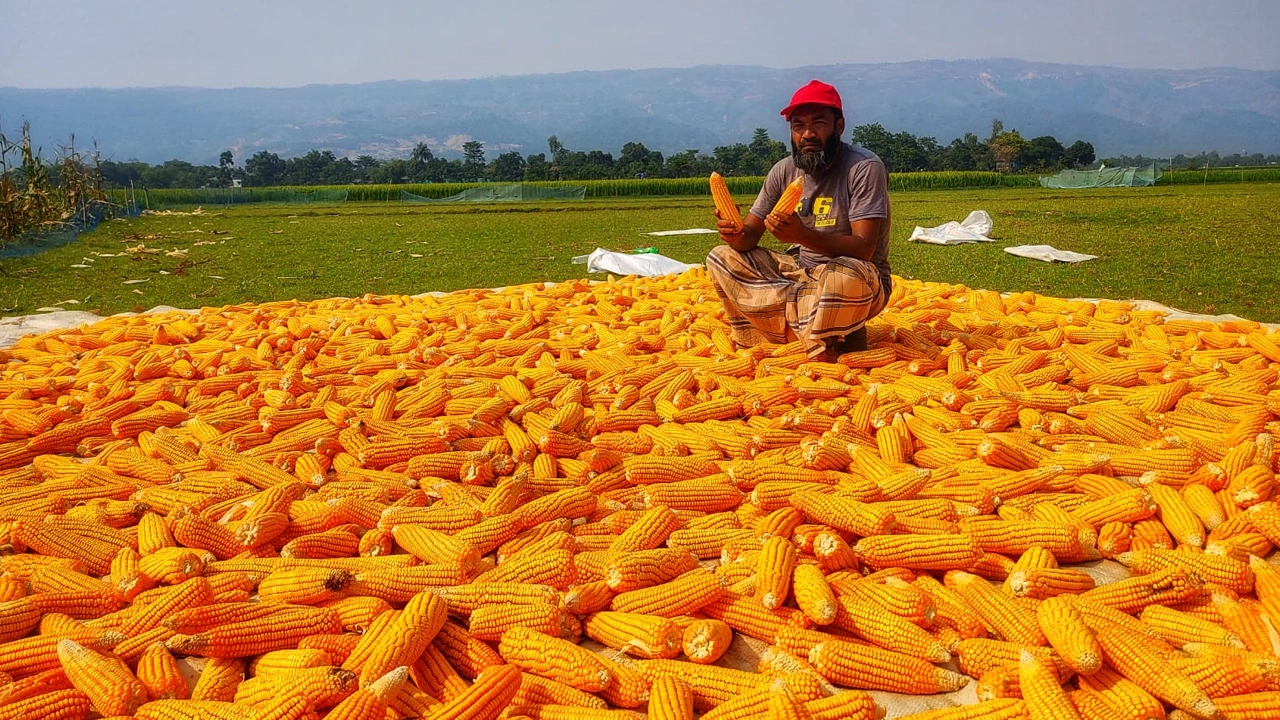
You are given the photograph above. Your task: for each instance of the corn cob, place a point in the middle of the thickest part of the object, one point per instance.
(705, 641)
(160, 675)
(243, 639)
(1065, 629)
(1179, 628)
(789, 199)
(711, 684)
(887, 630)
(671, 698)
(541, 691)
(1136, 661)
(1133, 594)
(684, 594)
(853, 665)
(1041, 689)
(1011, 620)
(919, 552)
(112, 689)
(1227, 572)
(60, 704)
(218, 680)
(644, 636)
(646, 568)
(286, 661)
(554, 658)
(814, 595)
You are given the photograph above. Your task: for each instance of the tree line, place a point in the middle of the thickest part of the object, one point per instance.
(1004, 150)
(1199, 161)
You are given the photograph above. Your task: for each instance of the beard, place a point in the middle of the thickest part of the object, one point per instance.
(813, 160)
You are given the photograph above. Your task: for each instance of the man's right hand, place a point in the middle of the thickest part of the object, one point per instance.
(742, 237)
(730, 231)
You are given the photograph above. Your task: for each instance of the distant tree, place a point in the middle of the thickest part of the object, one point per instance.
(420, 156)
(900, 152)
(536, 167)
(1042, 153)
(364, 165)
(554, 146)
(635, 159)
(265, 168)
(389, 172)
(473, 158)
(120, 174)
(688, 164)
(1006, 148)
(508, 167)
(967, 153)
(997, 127)
(420, 160)
(735, 159)
(180, 173)
(226, 161)
(1079, 154)
(595, 164)
(876, 139)
(766, 150)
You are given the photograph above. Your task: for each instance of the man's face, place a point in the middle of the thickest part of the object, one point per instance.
(815, 137)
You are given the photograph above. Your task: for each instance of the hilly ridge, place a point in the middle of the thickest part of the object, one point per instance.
(1121, 111)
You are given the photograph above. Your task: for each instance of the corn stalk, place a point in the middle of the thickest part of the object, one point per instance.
(36, 195)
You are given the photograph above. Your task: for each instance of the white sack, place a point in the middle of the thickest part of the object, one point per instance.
(1048, 253)
(974, 228)
(645, 264)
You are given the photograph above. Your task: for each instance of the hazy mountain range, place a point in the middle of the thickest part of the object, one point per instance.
(1121, 111)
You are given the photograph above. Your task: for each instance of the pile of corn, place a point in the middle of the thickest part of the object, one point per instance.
(391, 507)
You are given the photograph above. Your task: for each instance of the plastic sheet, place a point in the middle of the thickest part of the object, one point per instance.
(974, 228)
(645, 264)
(1048, 253)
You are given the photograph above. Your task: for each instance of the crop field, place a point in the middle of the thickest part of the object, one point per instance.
(652, 187)
(1199, 248)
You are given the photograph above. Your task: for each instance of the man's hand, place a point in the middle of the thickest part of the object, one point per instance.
(730, 231)
(787, 229)
(742, 237)
(860, 243)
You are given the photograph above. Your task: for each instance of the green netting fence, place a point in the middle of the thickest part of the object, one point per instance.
(1104, 177)
(223, 197)
(519, 192)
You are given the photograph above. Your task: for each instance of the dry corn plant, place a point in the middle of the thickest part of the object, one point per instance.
(39, 195)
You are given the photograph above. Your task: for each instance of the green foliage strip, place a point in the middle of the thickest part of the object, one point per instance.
(656, 187)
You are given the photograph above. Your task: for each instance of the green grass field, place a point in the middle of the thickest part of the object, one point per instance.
(1204, 249)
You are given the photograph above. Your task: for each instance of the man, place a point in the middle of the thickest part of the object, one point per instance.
(835, 276)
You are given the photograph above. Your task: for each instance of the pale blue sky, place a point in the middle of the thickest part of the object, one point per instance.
(277, 43)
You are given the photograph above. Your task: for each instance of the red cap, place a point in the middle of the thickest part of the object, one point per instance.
(815, 93)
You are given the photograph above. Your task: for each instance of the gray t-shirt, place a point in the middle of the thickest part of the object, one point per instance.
(856, 189)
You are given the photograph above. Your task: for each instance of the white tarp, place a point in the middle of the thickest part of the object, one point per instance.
(645, 264)
(12, 328)
(974, 228)
(690, 231)
(1048, 253)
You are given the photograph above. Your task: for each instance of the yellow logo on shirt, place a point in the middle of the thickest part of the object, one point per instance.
(821, 211)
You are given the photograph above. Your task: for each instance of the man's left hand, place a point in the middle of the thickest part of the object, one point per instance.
(788, 229)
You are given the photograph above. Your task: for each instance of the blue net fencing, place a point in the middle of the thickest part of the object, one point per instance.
(39, 240)
(520, 192)
(224, 197)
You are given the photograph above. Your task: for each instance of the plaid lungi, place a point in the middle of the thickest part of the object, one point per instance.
(768, 298)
